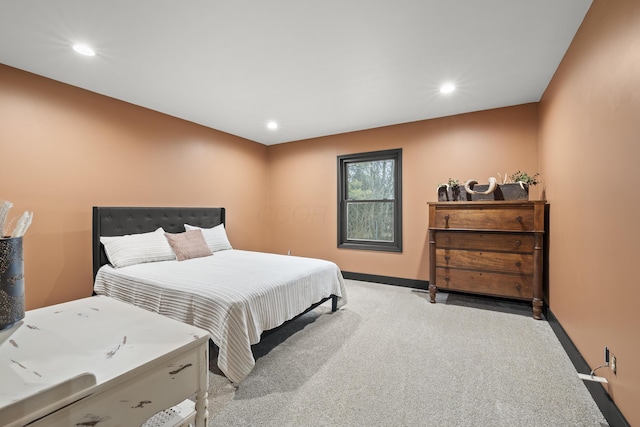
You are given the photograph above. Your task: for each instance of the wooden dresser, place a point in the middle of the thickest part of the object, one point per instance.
(488, 247)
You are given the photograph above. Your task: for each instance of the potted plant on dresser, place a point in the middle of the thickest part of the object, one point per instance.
(452, 191)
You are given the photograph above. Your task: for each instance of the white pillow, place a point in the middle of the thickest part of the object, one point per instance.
(215, 237)
(133, 249)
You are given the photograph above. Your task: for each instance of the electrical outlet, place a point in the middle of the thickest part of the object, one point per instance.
(613, 364)
(606, 355)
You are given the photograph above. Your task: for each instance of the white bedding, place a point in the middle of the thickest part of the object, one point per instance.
(233, 294)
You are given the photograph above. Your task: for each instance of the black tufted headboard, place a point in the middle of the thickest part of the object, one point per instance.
(118, 221)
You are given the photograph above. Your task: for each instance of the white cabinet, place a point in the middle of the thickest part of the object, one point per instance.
(98, 361)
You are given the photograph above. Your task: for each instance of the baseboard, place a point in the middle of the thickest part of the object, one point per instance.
(607, 406)
(387, 280)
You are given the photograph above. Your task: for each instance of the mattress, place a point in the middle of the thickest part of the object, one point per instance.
(235, 295)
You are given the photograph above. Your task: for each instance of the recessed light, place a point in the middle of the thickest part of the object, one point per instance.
(272, 125)
(447, 88)
(83, 49)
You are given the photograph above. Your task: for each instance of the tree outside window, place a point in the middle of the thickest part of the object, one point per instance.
(369, 201)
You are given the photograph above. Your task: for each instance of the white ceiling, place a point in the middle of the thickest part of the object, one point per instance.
(316, 67)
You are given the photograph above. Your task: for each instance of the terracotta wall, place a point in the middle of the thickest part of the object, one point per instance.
(65, 150)
(590, 151)
(303, 181)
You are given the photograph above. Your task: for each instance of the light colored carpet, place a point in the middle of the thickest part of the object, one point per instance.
(390, 358)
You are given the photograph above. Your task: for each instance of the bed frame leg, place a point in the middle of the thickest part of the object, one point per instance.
(334, 303)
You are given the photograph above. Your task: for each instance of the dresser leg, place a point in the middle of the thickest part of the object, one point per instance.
(202, 412)
(432, 293)
(537, 308)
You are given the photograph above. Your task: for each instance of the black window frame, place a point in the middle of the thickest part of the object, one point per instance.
(343, 161)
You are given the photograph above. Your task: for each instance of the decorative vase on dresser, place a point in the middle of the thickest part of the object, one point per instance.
(11, 281)
(488, 247)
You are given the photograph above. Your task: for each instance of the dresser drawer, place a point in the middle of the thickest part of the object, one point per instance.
(507, 285)
(485, 260)
(519, 218)
(505, 242)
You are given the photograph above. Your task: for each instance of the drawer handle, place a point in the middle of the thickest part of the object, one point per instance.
(446, 279)
(447, 258)
(518, 243)
(446, 220)
(518, 264)
(517, 286)
(519, 218)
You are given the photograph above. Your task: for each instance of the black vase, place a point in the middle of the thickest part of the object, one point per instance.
(11, 281)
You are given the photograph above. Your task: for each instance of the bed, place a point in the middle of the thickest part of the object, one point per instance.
(234, 294)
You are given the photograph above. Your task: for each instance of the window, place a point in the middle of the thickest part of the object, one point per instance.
(370, 201)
